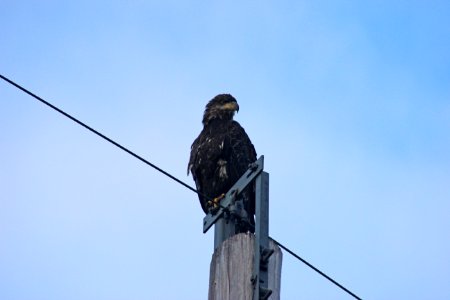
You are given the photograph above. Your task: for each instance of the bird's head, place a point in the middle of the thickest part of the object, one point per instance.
(222, 107)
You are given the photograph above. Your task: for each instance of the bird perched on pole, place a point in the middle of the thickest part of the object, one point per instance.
(221, 154)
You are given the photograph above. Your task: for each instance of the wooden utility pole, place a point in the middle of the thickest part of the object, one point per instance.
(245, 266)
(232, 266)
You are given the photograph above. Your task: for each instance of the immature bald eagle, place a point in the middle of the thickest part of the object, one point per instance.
(221, 153)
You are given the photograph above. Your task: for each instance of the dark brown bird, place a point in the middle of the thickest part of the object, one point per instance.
(222, 153)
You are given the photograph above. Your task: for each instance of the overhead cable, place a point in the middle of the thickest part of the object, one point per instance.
(101, 135)
(315, 269)
(161, 171)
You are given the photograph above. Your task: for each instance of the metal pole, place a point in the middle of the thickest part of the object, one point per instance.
(223, 229)
(262, 251)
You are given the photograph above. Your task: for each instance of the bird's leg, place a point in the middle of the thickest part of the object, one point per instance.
(214, 203)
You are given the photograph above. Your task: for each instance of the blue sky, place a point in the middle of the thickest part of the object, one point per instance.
(349, 102)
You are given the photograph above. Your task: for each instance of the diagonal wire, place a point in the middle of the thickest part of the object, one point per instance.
(161, 171)
(101, 135)
(315, 269)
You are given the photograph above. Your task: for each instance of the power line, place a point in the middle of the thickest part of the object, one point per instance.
(315, 269)
(161, 171)
(102, 135)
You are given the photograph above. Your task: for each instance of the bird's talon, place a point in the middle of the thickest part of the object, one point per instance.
(214, 203)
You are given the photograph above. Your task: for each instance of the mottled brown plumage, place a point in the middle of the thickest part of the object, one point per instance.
(221, 153)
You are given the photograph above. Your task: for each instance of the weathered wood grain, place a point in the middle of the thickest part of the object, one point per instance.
(231, 270)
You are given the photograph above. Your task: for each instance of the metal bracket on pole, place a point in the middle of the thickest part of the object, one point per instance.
(262, 251)
(229, 208)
